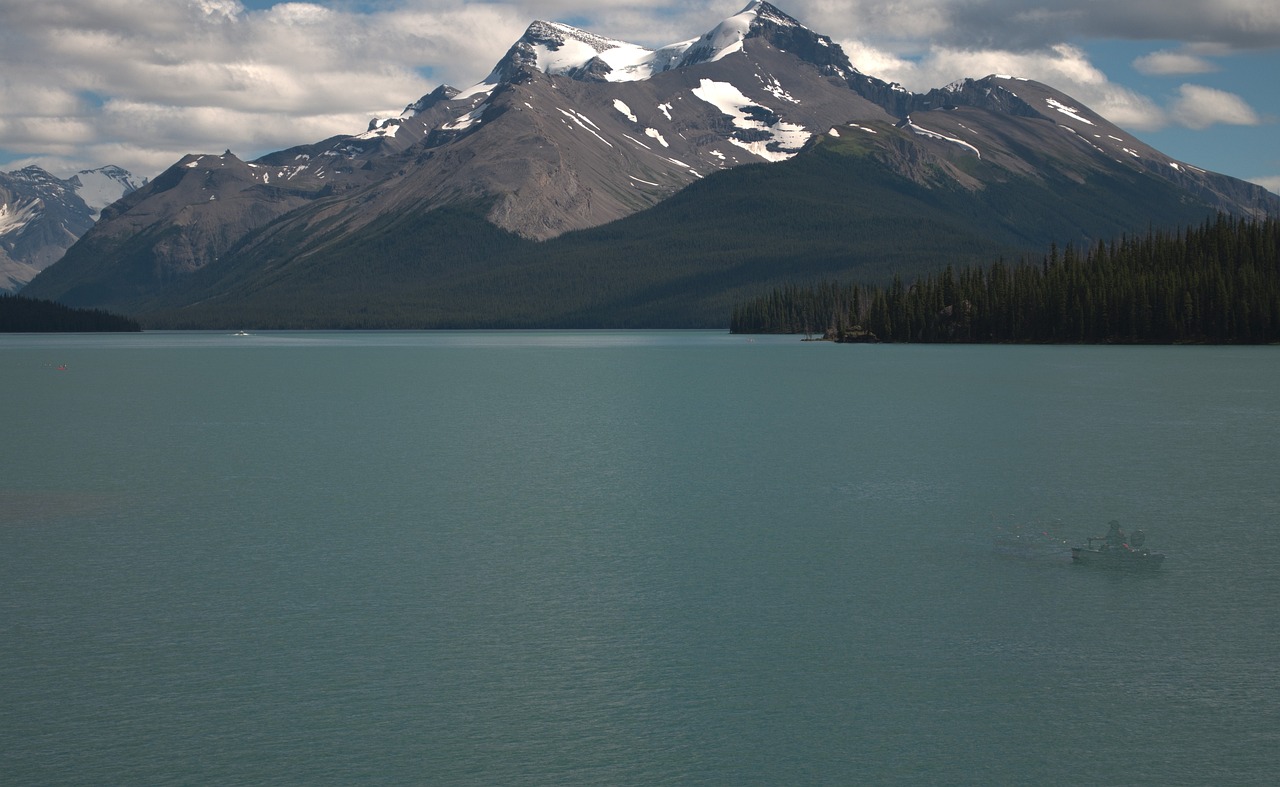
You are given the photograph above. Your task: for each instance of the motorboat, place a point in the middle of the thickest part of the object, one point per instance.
(1116, 550)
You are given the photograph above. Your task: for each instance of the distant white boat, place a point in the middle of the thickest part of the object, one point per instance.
(240, 333)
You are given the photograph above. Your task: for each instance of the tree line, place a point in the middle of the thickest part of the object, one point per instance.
(19, 314)
(1218, 283)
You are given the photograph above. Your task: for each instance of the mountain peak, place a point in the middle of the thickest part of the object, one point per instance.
(559, 49)
(757, 19)
(102, 186)
(555, 35)
(768, 12)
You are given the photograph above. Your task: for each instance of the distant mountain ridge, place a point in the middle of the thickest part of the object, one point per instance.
(41, 215)
(573, 133)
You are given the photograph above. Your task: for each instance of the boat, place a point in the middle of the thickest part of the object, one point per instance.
(1116, 550)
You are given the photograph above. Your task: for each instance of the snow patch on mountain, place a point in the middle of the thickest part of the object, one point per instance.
(583, 121)
(638, 142)
(774, 87)
(1069, 111)
(103, 186)
(479, 89)
(14, 218)
(558, 48)
(625, 110)
(386, 129)
(924, 132)
(1087, 141)
(632, 63)
(566, 48)
(777, 141)
(463, 122)
(728, 37)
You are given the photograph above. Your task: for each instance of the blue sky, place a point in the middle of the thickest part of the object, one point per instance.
(1249, 151)
(139, 83)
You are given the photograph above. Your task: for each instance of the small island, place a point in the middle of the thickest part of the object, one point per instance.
(29, 315)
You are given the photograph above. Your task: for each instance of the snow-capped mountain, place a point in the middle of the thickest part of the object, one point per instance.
(102, 186)
(41, 215)
(563, 50)
(572, 131)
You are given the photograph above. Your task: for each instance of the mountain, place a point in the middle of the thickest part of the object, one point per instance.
(102, 186)
(41, 216)
(589, 181)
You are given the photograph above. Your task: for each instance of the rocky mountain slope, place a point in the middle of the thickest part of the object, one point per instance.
(41, 216)
(573, 131)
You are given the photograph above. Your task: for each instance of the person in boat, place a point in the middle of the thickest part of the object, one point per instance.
(1115, 536)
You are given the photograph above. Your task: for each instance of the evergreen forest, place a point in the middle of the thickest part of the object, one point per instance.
(1218, 283)
(30, 315)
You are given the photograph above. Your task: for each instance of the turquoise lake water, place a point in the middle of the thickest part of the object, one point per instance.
(580, 558)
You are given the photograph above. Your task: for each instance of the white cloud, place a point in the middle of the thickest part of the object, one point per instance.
(1063, 66)
(1271, 184)
(140, 82)
(880, 63)
(1199, 107)
(1167, 63)
(204, 75)
(1067, 68)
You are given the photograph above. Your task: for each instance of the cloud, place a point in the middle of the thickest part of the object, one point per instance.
(1243, 24)
(1015, 25)
(1067, 68)
(1198, 107)
(1169, 63)
(1063, 66)
(1271, 184)
(149, 80)
(177, 76)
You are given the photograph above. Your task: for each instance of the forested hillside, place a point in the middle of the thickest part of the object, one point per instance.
(1217, 283)
(29, 315)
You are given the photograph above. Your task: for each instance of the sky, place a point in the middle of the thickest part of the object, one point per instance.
(140, 83)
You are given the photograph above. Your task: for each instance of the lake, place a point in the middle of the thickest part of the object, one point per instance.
(632, 558)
